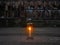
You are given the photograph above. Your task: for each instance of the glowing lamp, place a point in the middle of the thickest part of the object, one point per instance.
(30, 30)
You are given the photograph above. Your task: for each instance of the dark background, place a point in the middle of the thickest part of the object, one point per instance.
(44, 14)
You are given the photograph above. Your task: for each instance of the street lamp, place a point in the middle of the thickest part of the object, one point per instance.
(30, 30)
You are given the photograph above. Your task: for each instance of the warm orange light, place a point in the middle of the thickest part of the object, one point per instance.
(29, 28)
(30, 31)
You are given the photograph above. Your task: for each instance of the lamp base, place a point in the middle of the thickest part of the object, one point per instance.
(30, 38)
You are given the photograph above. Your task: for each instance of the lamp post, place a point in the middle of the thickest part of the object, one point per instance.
(30, 31)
